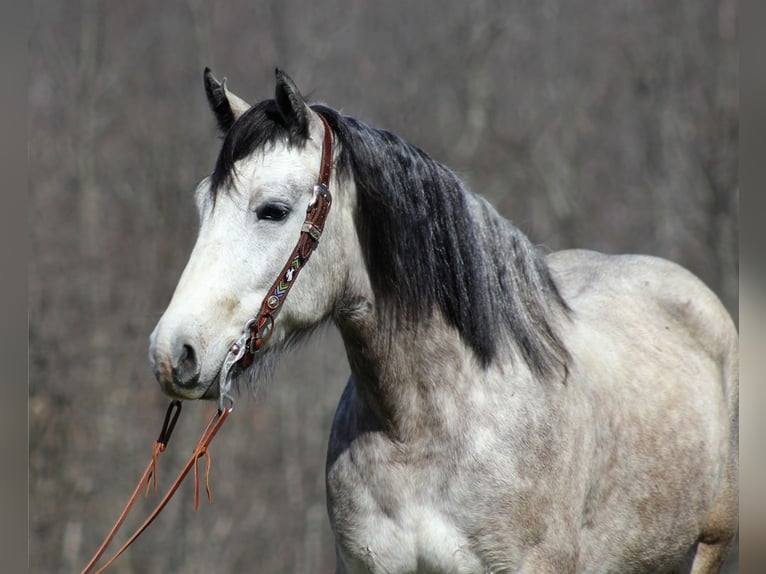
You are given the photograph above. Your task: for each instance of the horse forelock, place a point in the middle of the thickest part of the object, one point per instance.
(427, 240)
(258, 129)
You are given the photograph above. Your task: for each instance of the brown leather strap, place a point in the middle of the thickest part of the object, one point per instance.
(145, 479)
(200, 450)
(149, 475)
(311, 230)
(325, 167)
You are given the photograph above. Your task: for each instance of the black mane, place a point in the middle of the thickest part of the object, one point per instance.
(428, 241)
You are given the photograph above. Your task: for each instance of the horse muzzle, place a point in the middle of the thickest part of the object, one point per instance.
(176, 367)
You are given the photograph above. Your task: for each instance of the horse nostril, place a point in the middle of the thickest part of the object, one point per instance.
(186, 368)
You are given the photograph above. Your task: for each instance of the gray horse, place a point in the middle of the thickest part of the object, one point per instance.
(507, 411)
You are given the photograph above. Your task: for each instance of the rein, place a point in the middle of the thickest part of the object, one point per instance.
(256, 333)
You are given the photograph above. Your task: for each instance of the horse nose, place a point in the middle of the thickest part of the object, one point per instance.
(180, 366)
(186, 367)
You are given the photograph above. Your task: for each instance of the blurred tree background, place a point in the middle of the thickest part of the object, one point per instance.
(603, 124)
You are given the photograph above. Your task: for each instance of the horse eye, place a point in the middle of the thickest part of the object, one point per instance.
(272, 211)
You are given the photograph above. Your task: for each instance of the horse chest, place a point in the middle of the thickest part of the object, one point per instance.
(444, 502)
(393, 519)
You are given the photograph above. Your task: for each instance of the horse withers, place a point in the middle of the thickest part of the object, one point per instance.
(506, 411)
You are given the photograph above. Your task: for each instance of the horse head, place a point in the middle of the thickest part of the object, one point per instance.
(251, 210)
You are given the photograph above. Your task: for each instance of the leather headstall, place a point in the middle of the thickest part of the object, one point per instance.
(259, 329)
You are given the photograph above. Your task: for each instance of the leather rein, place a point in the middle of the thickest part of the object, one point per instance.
(241, 355)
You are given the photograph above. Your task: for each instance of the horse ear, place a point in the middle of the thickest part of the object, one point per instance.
(291, 104)
(226, 106)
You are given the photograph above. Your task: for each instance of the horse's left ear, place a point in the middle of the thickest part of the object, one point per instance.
(226, 106)
(291, 105)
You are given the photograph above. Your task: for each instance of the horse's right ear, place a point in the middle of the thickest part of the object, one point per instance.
(226, 106)
(291, 104)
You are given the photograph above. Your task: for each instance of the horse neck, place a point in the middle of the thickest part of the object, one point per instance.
(406, 376)
(418, 327)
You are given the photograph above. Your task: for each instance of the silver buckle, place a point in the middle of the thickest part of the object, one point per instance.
(319, 189)
(312, 230)
(236, 352)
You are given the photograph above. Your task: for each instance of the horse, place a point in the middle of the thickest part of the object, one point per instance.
(507, 410)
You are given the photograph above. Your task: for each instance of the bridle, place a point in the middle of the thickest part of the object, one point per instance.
(259, 329)
(241, 355)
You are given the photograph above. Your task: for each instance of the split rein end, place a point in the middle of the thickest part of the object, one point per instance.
(148, 480)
